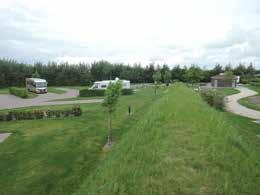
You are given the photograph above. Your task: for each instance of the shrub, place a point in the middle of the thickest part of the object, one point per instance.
(101, 92)
(127, 91)
(40, 114)
(91, 92)
(2, 117)
(20, 92)
(257, 80)
(213, 98)
(76, 110)
(257, 84)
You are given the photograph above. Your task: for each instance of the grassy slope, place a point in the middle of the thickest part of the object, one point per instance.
(53, 156)
(246, 101)
(180, 146)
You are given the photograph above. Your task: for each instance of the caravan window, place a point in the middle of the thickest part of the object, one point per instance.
(41, 84)
(103, 86)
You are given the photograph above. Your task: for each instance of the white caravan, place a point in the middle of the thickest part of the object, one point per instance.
(104, 84)
(36, 85)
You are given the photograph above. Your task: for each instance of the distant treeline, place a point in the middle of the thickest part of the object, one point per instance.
(13, 73)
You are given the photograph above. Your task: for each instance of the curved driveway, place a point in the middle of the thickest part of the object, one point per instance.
(11, 101)
(232, 104)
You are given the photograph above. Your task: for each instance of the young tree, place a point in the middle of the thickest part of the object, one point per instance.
(167, 77)
(157, 79)
(112, 94)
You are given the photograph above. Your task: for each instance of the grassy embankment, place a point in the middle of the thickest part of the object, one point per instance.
(249, 102)
(181, 146)
(174, 144)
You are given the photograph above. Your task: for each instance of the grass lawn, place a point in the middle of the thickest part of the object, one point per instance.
(248, 102)
(227, 91)
(54, 156)
(4, 91)
(78, 98)
(56, 90)
(181, 146)
(174, 143)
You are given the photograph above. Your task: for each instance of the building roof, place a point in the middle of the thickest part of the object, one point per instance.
(221, 77)
(37, 80)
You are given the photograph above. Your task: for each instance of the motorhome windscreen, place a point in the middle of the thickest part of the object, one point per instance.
(41, 84)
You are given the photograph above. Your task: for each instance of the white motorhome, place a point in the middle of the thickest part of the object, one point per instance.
(104, 84)
(36, 85)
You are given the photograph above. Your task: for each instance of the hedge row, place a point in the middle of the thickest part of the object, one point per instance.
(20, 92)
(101, 92)
(40, 114)
(257, 84)
(213, 98)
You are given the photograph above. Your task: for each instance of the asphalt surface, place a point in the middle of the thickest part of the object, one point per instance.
(11, 101)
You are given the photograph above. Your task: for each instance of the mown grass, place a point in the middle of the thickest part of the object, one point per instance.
(247, 101)
(227, 91)
(174, 143)
(54, 156)
(4, 90)
(78, 98)
(181, 146)
(56, 90)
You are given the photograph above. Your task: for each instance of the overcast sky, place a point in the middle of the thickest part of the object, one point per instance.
(182, 32)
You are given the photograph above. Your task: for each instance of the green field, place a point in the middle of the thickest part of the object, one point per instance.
(247, 102)
(174, 143)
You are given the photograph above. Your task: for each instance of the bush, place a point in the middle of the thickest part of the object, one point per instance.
(20, 92)
(213, 98)
(40, 114)
(101, 92)
(2, 117)
(127, 91)
(257, 84)
(76, 110)
(91, 92)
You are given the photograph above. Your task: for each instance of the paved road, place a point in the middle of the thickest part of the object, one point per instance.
(232, 104)
(4, 136)
(10, 101)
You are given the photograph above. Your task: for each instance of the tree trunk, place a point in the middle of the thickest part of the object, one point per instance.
(109, 136)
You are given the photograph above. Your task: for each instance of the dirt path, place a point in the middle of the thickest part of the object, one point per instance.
(232, 104)
(10, 101)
